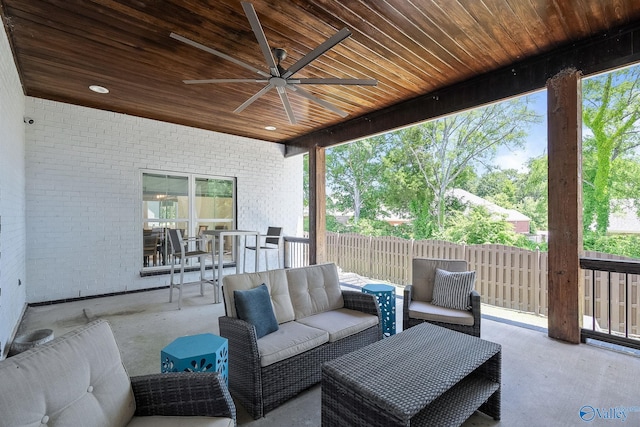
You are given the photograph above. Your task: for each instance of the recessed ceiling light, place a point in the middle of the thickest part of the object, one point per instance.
(270, 127)
(99, 89)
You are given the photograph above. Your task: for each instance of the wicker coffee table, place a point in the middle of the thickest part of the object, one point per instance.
(424, 376)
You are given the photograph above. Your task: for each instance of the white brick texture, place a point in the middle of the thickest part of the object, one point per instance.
(12, 196)
(83, 192)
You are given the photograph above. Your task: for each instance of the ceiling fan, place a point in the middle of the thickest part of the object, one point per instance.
(278, 77)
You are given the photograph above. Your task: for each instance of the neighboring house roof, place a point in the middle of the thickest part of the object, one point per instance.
(623, 218)
(471, 199)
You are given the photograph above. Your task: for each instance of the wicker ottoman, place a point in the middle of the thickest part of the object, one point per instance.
(425, 376)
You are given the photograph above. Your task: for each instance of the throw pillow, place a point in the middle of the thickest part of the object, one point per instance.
(452, 289)
(254, 306)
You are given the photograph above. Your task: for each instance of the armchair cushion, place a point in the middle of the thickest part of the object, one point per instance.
(452, 289)
(156, 421)
(254, 306)
(423, 273)
(77, 379)
(435, 313)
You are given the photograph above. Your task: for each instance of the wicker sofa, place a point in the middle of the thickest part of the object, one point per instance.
(78, 380)
(317, 322)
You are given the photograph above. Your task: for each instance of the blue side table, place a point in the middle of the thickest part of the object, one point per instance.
(386, 296)
(197, 353)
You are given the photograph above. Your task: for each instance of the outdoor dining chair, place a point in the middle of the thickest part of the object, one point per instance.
(181, 254)
(150, 249)
(271, 243)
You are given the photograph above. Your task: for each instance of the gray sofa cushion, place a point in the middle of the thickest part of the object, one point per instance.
(314, 289)
(276, 281)
(292, 338)
(75, 380)
(340, 323)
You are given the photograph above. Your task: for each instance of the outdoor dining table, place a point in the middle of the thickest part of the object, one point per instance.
(220, 235)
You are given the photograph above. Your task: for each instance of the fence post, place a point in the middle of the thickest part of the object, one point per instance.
(338, 243)
(370, 256)
(409, 263)
(536, 283)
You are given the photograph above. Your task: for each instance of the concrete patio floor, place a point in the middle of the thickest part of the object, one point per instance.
(544, 382)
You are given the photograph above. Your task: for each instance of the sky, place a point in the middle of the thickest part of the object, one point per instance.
(536, 142)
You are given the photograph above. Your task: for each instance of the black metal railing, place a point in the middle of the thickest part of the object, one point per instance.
(610, 302)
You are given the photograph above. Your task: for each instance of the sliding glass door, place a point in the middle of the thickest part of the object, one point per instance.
(188, 202)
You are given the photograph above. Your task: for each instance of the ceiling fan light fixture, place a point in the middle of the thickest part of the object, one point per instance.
(278, 77)
(99, 89)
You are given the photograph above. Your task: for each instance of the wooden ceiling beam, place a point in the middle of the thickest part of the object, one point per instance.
(613, 49)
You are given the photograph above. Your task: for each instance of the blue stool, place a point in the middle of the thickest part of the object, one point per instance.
(386, 296)
(197, 353)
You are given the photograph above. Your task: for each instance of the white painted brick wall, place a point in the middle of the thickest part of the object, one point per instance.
(12, 195)
(83, 179)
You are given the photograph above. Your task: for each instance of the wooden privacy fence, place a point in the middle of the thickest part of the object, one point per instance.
(510, 277)
(507, 277)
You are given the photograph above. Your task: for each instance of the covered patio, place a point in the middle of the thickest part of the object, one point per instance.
(544, 381)
(73, 162)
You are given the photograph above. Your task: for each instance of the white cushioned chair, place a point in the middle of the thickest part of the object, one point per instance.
(78, 379)
(419, 307)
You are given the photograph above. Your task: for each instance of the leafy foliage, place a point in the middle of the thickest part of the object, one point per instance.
(617, 244)
(352, 176)
(433, 156)
(479, 226)
(611, 109)
(411, 171)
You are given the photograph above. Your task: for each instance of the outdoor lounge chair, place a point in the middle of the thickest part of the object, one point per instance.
(78, 379)
(456, 306)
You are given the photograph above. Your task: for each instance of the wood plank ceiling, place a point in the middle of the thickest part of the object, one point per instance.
(412, 47)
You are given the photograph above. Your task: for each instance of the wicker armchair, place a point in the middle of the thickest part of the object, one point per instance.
(417, 307)
(79, 379)
(182, 394)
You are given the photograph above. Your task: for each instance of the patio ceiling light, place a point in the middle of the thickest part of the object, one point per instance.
(99, 89)
(270, 127)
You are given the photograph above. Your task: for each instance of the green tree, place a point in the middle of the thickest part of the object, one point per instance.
(433, 156)
(352, 176)
(531, 195)
(611, 110)
(305, 181)
(500, 186)
(478, 226)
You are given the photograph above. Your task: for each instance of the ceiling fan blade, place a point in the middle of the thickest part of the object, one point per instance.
(317, 100)
(197, 82)
(315, 53)
(250, 101)
(287, 105)
(330, 81)
(217, 53)
(262, 39)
